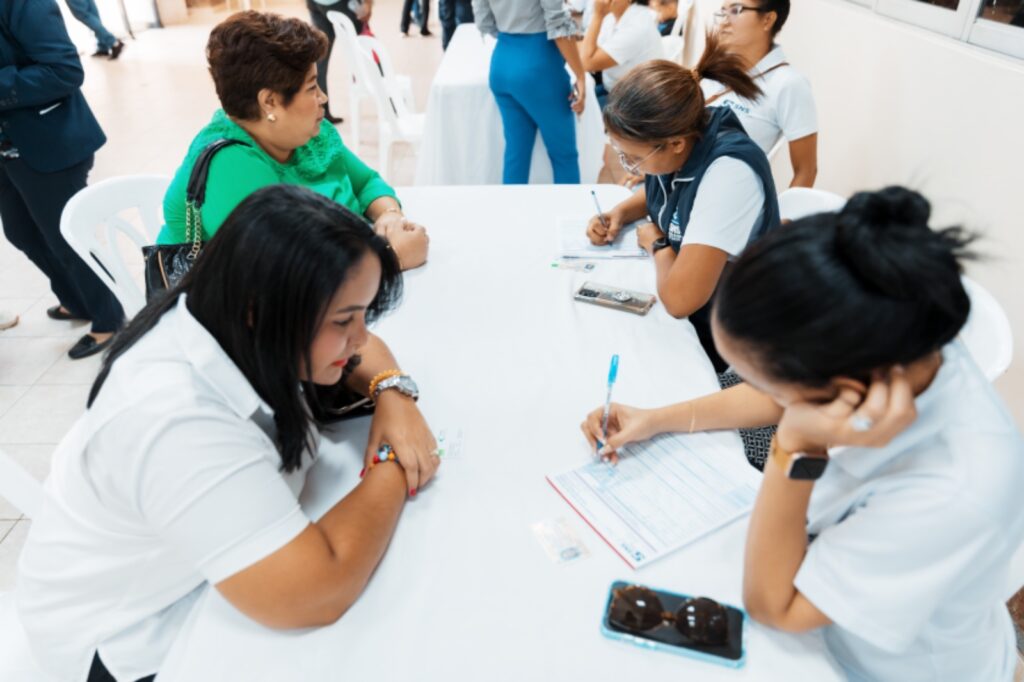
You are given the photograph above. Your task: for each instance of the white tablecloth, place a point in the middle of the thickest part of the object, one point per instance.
(463, 142)
(501, 351)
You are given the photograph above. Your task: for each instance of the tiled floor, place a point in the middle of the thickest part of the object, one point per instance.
(150, 102)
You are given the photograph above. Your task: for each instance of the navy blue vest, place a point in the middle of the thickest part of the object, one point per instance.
(724, 136)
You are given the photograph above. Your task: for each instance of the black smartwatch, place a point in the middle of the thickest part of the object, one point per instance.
(659, 244)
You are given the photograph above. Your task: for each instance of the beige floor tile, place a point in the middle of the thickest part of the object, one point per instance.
(23, 361)
(9, 395)
(34, 323)
(35, 458)
(20, 425)
(10, 550)
(68, 371)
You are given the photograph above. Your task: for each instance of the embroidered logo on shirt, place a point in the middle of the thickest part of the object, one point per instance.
(674, 233)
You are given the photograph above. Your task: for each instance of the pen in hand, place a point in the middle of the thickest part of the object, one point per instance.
(600, 213)
(613, 372)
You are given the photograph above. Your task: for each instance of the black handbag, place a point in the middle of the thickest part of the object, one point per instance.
(166, 264)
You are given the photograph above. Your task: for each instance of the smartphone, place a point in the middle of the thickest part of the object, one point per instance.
(615, 297)
(667, 638)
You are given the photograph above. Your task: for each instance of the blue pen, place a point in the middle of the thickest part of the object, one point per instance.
(613, 372)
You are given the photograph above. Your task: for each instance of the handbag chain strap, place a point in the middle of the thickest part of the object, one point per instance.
(195, 194)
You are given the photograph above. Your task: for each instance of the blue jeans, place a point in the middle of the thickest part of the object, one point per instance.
(530, 83)
(85, 11)
(452, 13)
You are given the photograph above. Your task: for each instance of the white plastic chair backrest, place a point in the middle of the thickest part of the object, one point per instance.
(987, 334)
(19, 487)
(381, 79)
(345, 33)
(799, 202)
(96, 211)
(682, 16)
(672, 48)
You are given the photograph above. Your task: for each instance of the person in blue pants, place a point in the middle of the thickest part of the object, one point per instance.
(107, 45)
(536, 39)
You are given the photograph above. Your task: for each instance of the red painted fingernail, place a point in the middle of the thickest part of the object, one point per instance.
(362, 473)
(412, 492)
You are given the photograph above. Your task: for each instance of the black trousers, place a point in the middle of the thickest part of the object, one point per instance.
(407, 14)
(30, 207)
(318, 13)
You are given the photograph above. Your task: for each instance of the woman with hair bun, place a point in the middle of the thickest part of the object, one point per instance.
(890, 509)
(708, 188)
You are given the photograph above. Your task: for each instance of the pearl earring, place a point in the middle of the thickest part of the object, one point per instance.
(271, 118)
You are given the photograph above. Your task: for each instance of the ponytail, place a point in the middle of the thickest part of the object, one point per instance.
(659, 99)
(842, 294)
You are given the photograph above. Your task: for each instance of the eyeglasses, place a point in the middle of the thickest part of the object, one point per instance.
(638, 609)
(733, 11)
(633, 167)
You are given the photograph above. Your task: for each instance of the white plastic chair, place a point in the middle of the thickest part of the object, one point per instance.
(345, 34)
(396, 120)
(987, 334)
(799, 202)
(97, 209)
(672, 48)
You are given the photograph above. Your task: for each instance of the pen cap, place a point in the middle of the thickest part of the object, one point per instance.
(613, 370)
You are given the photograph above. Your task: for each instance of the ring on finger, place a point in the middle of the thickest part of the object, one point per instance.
(861, 423)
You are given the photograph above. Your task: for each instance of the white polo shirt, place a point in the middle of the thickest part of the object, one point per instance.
(169, 481)
(914, 540)
(786, 108)
(631, 40)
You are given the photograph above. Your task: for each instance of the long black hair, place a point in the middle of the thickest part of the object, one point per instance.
(262, 286)
(842, 294)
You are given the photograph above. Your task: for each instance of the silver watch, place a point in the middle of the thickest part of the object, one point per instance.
(402, 383)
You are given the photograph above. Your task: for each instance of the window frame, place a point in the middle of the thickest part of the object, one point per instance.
(964, 25)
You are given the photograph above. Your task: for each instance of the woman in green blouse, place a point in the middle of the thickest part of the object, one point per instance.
(264, 68)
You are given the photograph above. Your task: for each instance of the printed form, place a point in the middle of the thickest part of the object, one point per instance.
(662, 495)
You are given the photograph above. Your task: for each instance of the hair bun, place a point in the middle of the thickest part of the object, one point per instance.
(890, 207)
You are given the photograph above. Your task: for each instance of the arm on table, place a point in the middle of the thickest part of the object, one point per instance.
(687, 280)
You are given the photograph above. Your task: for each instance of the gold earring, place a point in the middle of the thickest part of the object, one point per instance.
(271, 118)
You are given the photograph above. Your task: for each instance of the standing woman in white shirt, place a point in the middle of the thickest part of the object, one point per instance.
(785, 108)
(708, 188)
(845, 328)
(622, 34)
(186, 467)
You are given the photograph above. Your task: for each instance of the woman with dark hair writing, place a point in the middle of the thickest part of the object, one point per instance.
(708, 188)
(186, 467)
(890, 506)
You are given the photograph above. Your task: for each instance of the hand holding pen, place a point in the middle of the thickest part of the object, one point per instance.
(604, 227)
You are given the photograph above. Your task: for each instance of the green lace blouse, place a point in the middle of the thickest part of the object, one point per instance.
(324, 165)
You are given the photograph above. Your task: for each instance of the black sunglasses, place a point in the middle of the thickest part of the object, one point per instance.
(638, 609)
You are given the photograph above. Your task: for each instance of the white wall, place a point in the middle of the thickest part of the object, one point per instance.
(901, 105)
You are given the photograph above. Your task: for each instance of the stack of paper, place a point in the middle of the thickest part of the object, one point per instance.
(576, 244)
(663, 494)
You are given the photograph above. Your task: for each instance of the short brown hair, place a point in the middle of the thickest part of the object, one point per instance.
(659, 99)
(250, 51)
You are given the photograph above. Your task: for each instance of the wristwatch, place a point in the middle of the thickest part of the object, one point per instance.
(402, 383)
(799, 466)
(659, 244)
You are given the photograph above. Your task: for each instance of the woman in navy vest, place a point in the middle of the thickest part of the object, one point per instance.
(708, 188)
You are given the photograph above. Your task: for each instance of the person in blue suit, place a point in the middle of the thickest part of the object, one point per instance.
(48, 136)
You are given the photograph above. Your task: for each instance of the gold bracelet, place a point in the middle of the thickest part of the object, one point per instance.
(386, 374)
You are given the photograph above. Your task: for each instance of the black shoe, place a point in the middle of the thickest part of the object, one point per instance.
(55, 313)
(332, 119)
(425, 32)
(115, 50)
(101, 53)
(87, 346)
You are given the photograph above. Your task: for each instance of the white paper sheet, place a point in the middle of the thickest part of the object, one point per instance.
(574, 242)
(662, 495)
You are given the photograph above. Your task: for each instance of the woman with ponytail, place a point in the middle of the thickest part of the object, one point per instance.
(708, 186)
(889, 509)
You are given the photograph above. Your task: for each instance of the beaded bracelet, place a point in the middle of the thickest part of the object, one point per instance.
(386, 374)
(385, 453)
